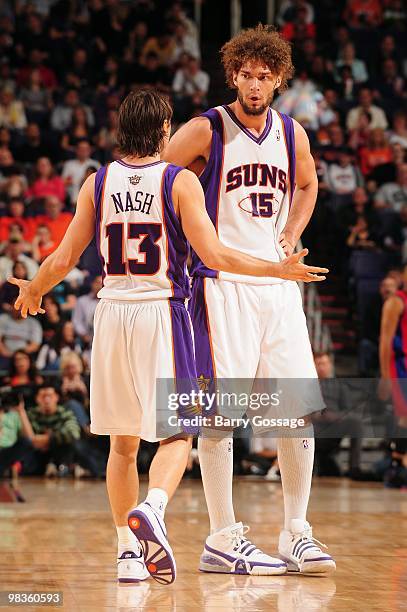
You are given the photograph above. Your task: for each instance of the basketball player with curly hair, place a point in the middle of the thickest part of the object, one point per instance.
(260, 186)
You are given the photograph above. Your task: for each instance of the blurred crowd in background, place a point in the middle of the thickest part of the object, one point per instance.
(65, 65)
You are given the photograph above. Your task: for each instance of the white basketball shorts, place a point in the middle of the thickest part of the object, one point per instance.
(245, 331)
(134, 344)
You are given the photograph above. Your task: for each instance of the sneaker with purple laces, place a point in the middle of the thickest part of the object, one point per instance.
(229, 552)
(302, 552)
(149, 528)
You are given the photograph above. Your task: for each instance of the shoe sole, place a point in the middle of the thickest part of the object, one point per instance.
(311, 568)
(158, 555)
(215, 566)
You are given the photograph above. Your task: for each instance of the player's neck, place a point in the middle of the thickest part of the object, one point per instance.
(141, 161)
(251, 122)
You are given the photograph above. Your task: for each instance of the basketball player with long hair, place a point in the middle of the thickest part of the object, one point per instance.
(142, 212)
(260, 186)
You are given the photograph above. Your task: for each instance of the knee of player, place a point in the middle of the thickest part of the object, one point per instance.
(126, 446)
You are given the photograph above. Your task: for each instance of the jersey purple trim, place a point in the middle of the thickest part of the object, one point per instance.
(122, 163)
(288, 124)
(257, 139)
(99, 185)
(177, 243)
(210, 180)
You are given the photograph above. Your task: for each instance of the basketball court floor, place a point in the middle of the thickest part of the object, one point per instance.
(63, 539)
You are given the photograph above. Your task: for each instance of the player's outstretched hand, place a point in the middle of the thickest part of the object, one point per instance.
(26, 301)
(293, 269)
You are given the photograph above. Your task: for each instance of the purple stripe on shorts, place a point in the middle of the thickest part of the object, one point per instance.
(100, 179)
(177, 243)
(290, 142)
(205, 367)
(184, 360)
(210, 180)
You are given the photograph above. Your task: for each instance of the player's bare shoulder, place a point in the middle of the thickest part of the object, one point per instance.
(190, 143)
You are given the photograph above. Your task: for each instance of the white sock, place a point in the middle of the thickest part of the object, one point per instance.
(158, 500)
(296, 460)
(216, 461)
(126, 540)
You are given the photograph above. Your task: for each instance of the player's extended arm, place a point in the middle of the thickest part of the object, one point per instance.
(190, 143)
(189, 201)
(392, 309)
(57, 265)
(305, 194)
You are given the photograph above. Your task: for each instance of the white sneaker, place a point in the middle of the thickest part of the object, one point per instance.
(301, 551)
(131, 567)
(229, 552)
(149, 528)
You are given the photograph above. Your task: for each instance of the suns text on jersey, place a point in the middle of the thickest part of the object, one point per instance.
(136, 202)
(256, 174)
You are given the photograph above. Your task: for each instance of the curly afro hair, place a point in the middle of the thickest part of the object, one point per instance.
(262, 44)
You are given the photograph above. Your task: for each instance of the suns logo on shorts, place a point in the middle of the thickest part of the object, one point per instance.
(203, 383)
(134, 180)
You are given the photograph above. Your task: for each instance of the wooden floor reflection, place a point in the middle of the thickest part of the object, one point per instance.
(63, 539)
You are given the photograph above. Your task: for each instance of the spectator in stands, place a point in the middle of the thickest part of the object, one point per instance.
(61, 117)
(190, 85)
(348, 58)
(162, 45)
(13, 182)
(42, 244)
(36, 62)
(378, 117)
(32, 146)
(387, 173)
(335, 423)
(289, 9)
(22, 371)
(46, 182)
(151, 73)
(393, 196)
(360, 235)
(184, 43)
(15, 210)
(62, 342)
(376, 153)
(36, 99)
(368, 348)
(363, 14)
(74, 169)
(390, 85)
(17, 333)
(12, 114)
(56, 220)
(51, 320)
(360, 135)
(56, 429)
(9, 292)
(15, 431)
(343, 177)
(398, 134)
(84, 311)
(73, 385)
(14, 252)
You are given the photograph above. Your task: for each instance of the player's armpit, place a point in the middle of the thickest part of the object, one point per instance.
(191, 142)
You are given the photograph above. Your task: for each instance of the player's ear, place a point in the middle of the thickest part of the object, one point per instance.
(278, 82)
(234, 78)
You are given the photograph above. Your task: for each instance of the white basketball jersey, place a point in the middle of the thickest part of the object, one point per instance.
(139, 237)
(248, 183)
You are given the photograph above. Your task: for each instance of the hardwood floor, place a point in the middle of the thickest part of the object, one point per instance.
(63, 539)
